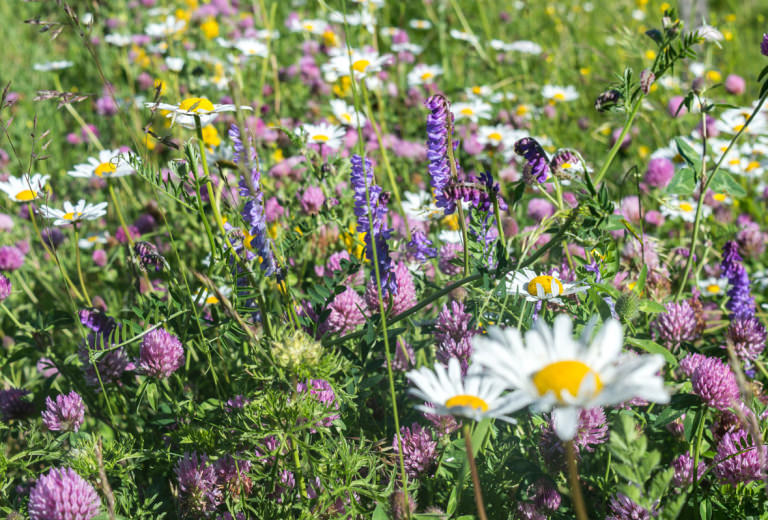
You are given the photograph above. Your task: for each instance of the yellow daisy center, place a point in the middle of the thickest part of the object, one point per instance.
(308, 27)
(361, 65)
(26, 195)
(477, 90)
(735, 161)
(495, 136)
(199, 104)
(719, 197)
(713, 288)
(737, 128)
(105, 167)
(346, 117)
(426, 76)
(521, 110)
(564, 375)
(559, 96)
(546, 283)
(752, 165)
(320, 138)
(467, 111)
(211, 300)
(71, 215)
(470, 401)
(687, 207)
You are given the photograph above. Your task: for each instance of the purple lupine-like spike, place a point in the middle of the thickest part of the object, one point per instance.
(536, 162)
(741, 303)
(437, 150)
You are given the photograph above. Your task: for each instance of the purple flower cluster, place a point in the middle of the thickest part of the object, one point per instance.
(683, 476)
(592, 430)
(453, 335)
(443, 424)
(438, 140)
(738, 458)
(199, 490)
(13, 405)
(62, 494)
(747, 335)
(677, 325)
(536, 163)
(476, 191)
(66, 413)
(419, 248)
(5, 287)
(346, 312)
(712, 380)
(741, 304)
(161, 353)
(322, 392)
(148, 256)
(371, 213)
(232, 475)
(105, 332)
(11, 258)
(419, 449)
(764, 45)
(404, 299)
(253, 211)
(623, 508)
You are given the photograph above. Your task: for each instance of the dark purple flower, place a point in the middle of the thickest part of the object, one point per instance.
(5, 287)
(740, 303)
(148, 256)
(404, 356)
(62, 494)
(675, 326)
(448, 253)
(161, 353)
(443, 424)
(232, 474)
(321, 391)
(397, 505)
(764, 45)
(714, 381)
(419, 450)
(199, 492)
(623, 508)
(437, 150)
(453, 335)
(13, 405)
(399, 302)
(101, 367)
(738, 458)
(419, 246)
(66, 413)
(747, 335)
(683, 476)
(11, 258)
(545, 496)
(536, 163)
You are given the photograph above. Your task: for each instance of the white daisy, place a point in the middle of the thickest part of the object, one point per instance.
(74, 213)
(174, 64)
(733, 120)
(552, 370)
(540, 287)
(88, 241)
(409, 47)
(25, 188)
(118, 40)
(252, 47)
(472, 110)
(323, 134)
(499, 136)
(478, 91)
(422, 74)
(463, 36)
(52, 65)
(555, 93)
(420, 206)
(206, 297)
(361, 63)
(713, 286)
(475, 396)
(420, 24)
(524, 47)
(171, 25)
(184, 113)
(346, 113)
(684, 209)
(109, 163)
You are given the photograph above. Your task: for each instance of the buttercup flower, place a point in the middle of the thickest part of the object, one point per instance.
(550, 370)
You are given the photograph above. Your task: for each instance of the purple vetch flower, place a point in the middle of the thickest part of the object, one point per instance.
(399, 302)
(311, 200)
(5, 287)
(747, 335)
(419, 450)
(13, 405)
(199, 492)
(740, 303)
(453, 335)
(529, 511)
(438, 141)
(683, 476)
(102, 367)
(764, 45)
(347, 311)
(11, 258)
(545, 496)
(675, 326)
(562, 162)
(714, 381)
(623, 508)
(66, 413)
(419, 246)
(371, 212)
(738, 458)
(161, 353)
(536, 163)
(287, 482)
(62, 494)
(321, 391)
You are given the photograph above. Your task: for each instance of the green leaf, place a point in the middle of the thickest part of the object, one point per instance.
(688, 153)
(682, 183)
(651, 307)
(380, 513)
(724, 182)
(653, 348)
(151, 393)
(762, 74)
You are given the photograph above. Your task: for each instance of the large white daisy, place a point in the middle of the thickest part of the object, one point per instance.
(109, 163)
(475, 396)
(323, 133)
(549, 369)
(25, 188)
(74, 212)
(184, 113)
(536, 287)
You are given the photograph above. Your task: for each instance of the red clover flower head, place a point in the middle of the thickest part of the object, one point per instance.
(62, 494)
(66, 413)
(419, 449)
(161, 353)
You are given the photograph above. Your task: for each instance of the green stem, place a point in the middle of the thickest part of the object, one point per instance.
(53, 255)
(696, 450)
(455, 177)
(79, 268)
(208, 184)
(617, 144)
(297, 462)
(573, 481)
(473, 471)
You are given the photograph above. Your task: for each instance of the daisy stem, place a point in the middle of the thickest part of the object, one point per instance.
(473, 470)
(385, 158)
(79, 267)
(573, 480)
(617, 144)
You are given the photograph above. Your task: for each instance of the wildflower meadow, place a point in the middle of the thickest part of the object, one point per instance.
(377, 259)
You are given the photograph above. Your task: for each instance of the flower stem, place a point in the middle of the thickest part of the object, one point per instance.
(79, 268)
(617, 144)
(459, 207)
(297, 462)
(53, 255)
(573, 480)
(473, 470)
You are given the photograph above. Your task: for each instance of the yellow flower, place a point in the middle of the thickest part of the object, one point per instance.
(183, 14)
(140, 56)
(272, 230)
(160, 83)
(728, 35)
(343, 87)
(665, 7)
(714, 76)
(211, 136)
(650, 55)
(730, 17)
(330, 38)
(584, 71)
(451, 222)
(210, 28)
(643, 151)
(277, 155)
(354, 242)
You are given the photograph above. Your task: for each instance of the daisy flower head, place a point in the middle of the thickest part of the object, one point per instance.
(252, 47)
(312, 26)
(362, 63)
(541, 287)
(206, 297)
(549, 369)
(323, 134)
(90, 240)
(472, 110)
(420, 24)
(185, 112)
(168, 27)
(74, 213)
(474, 396)
(423, 74)
(109, 163)
(346, 113)
(52, 65)
(499, 136)
(25, 188)
(684, 209)
(713, 286)
(555, 93)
